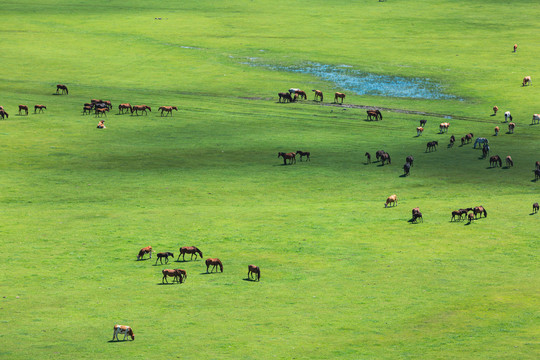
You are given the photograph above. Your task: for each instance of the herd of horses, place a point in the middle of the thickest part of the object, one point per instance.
(291, 157)
(179, 275)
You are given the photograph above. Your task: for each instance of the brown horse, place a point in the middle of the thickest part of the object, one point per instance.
(536, 174)
(318, 94)
(416, 214)
(458, 213)
(386, 158)
(509, 161)
(452, 141)
(3, 114)
(87, 109)
(301, 94)
(39, 107)
(338, 96)
(287, 156)
(374, 114)
(63, 88)
(23, 108)
(102, 111)
(443, 127)
(495, 109)
(432, 146)
(253, 269)
(167, 110)
(174, 273)
(303, 153)
(123, 330)
(379, 153)
(143, 251)
(423, 122)
(165, 255)
(193, 250)
(537, 165)
(494, 160)
(392, 199)
(471, 217)
(285, 96)
(368, 156)
(123, 107)
(214, 263)
(526, 80)
(511, 127)
(479, 210)
(536, 207)
(142, 108)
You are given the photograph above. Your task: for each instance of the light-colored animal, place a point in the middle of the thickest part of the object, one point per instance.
(509, 161)
(318, 94)
(527, 80)
(497, 130)
(338, 96)
(480, 140)
(392, 199)
(443, 127)
(507, 116)
(419, 131)
(536, 119)
(123, 330)
(143, 251)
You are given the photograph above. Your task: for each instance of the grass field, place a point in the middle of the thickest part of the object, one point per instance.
(342, 277)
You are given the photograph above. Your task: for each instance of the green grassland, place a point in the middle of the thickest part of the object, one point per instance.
(342, 276)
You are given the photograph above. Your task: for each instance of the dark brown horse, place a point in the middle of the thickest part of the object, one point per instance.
(509, 161)
(287, 156)
(63, 88)
(471, 217)
(253, 269)
(303, 153)
(479, 210)
(318, 94)
(457, 213)
(142, 108)
(368, 156)
(410, 160)
(3, 114)
(536, 207)
(536, 174)
(452, 141)
(537, 165)
(374, 114)
(511, 127)
(215, 263)
(101, 111)
(494, 160)
(87, 109)
(416, 214)
(193, 250)
(174, 273)
(432, 146)
(167, 109)
(386, 158)
(39, 107)
(165, 255)
(379, 153)
(123, 107)
(143, 251)
(301, 94)
(423, 122)
(23, 108)
(406, 169)
(338, 96)
(285, 96)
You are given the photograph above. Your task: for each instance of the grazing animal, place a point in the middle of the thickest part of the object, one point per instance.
(536, 174)
(63, 88)
(288, 156)
(301, 94)
(285, 96)
(423, 122)
(479, 210)
(123, 107)
(3, 114)
(123, 330)
(182, 274)
(87, 109)
(537, 165)
(419, 131)
(143, 251)
(443, 127)
(368, 156)
(495, 109)
(526, 81)
(193, 250)
(392, 199)
(379, 153)
(469, 137)
(511, 127)
(318, 94)
(410, 160)
(39, 107)
(254, 270)
(338, 96)
(374, 114)
(406, 168)
(165, 255)
(463, 140)
(536, 119)
(497, 130)
(167, 109)
(536, 207)
(458, 213)
(23, 108)
(416, 214)
(142, 108)
(509, 161)
(432, 146)
(452, 141)
(480, 140)
(507, 116)
(303, 153)
(101, 111)
(386, 157)
(471, 217)
(485, 150)
(494, 160)
(215, 263)
(515, 47)
(174, 273)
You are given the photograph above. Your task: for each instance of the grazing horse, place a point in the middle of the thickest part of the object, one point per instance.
(536, 174)
(214, 263)
(432, 146)
(165, 255)
(479, 210)
(497, 130)
(443, 127)
(495, 109)
(536, 207)
(386, 157)
(419, 131)
(23, 108)
(416, 214)
(509, 161)
(485, 150)
(511, 127)
(379, 153)
(459, 213)
(526, 80)
(123, 107)
(480, 140)
(392, 199)
(4, 113)
(374, 114)
(39, 107)
(101, 111)
(286, 97)
(463, 140)
(303, 153)
(193, 250)
(301, 94)
(87, 109)
(469, 137)
(536, 119)
(494, 160)
(515, 47)
(471, 217)
(423, 122)
(123, 330)
(338, 96)
(142, 108)
(537, 165)
(368, 156)
(287, 156)
(174, 273)
(318, 94)
(507, 116)
(406, 168)
(63, 88)
(253, 269)
(409, 160)
(452, 141)
(167, 109)
(143, 251)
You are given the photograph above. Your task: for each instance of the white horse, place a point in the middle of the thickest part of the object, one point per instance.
(507, 116)
(123, 329)
(480, 140)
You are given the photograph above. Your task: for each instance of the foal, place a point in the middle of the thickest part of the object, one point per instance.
(165, 255)
(253, 269)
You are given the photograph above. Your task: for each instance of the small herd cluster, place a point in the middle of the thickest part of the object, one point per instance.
(291, 157)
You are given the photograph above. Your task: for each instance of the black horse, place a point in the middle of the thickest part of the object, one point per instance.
(410, 159)
(165, 255)
(406, 168)
(286, 97)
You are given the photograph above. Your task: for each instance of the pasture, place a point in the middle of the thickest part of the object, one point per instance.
(342, 277)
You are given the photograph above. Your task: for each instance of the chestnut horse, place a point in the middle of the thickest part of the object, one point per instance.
(303, 153)
(392, 199)
(214, 263)
(373, 114)
(174, 273)
(301, 94)
(165, 255)
(122, 330)
(143, 251)
(167, 109)
(253, 269)
(318, 94)
(63, 88)
(526, 80)
(123, 107)
(509, 161)
(416, 214)
(479, 210)
(23, 108)
(4, 113)
(494, 160)
(287, 156)
(511, 127)
(338, 96)
(39, 107)
(193, 250)
(142, 108)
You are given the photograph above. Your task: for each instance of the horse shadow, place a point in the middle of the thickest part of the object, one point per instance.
(403, 175)
(508, 132)
(492, 114)
(141, 259)
(533, 213)
(468, 223)
(118, 341)
(171, 283)
(250, 280)
(506, 167)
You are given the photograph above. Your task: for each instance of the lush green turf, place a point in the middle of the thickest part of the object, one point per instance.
(342, 277)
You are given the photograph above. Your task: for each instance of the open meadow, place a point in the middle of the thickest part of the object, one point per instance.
(342, 277)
